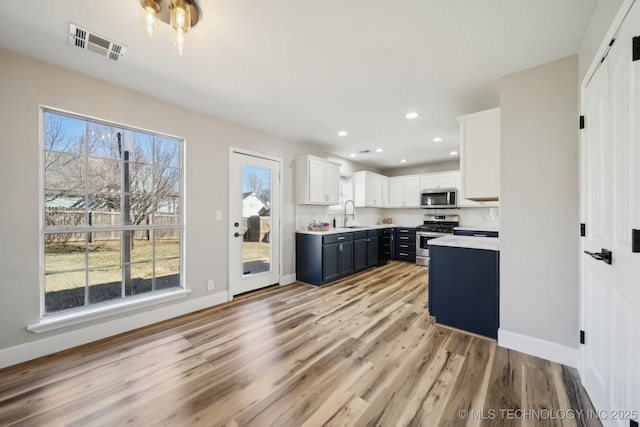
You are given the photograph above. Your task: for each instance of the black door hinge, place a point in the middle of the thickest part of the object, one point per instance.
(583, 229)
(581, 122)
(635, 49)
(635, 240)
(581, 337)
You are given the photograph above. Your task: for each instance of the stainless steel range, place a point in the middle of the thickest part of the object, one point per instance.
(434, 226)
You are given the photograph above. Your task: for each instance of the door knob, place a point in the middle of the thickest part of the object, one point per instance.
(605, 255)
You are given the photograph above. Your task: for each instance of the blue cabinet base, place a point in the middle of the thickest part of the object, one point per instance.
(464, 288)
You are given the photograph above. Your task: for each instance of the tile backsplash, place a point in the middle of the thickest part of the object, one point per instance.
(406, 217)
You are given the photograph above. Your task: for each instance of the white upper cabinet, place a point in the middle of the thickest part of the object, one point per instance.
(370, 190)
(480, 156)
(317, 181)
(404, 191)
(440, 180)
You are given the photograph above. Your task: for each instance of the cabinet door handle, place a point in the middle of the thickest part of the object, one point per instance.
(340, 238)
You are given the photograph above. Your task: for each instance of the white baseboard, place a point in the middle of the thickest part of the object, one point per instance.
(538, 347)
(54, 343)
(288, 279)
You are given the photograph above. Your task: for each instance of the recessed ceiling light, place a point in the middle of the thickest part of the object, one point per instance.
(403, 160)
(411, 115)
(453, 153)
(343, 133)
(379, 150)
(352, 155)
(437, 139)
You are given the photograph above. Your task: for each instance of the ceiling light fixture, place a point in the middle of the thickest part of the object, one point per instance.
(343, 133)
(412, 115)
(453, 153)
(403, 160)
(437, 139)
(379, 150)
(182, 15)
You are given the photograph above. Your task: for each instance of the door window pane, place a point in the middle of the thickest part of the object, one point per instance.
(256, 220)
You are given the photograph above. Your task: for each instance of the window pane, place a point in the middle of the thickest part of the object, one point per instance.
(104, 249)
(167, 152)
(167, 182)
(105, 284)
(167, 243)
(65, 172)
(104, 175)
(64, 290)
(167, 211)
(142, 247)
(63, 208)
(167, 274)
(140, 178)
(140, 147)
(64, 134)
(63, 252)
(102, 141)
(141, 278)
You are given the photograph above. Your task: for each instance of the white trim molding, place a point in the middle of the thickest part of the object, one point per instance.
(287, 279)
(537, 347)
(54, 343)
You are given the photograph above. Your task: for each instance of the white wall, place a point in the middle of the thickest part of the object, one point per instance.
(26, 85)
(539, 232)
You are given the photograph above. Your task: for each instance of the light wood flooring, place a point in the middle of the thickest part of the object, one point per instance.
(360, 351)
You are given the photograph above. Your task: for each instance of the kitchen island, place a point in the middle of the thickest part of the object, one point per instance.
(464, 283)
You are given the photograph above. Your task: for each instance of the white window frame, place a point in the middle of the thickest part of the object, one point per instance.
(87, 312)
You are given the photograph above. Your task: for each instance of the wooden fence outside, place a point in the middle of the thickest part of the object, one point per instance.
(61, 217)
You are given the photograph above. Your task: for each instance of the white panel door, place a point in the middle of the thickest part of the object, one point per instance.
(610, 293)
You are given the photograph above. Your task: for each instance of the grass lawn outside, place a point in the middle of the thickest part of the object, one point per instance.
(104, 262)
(255, 251)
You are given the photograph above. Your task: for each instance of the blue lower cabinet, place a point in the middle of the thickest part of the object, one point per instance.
(405, 244)
(464, 288)
(322, 259)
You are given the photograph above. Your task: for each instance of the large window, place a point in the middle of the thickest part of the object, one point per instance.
(112, 212)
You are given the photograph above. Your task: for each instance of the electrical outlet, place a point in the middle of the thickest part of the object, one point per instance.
(210, 285)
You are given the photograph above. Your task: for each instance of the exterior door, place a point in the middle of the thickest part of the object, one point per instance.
(254, 229)
(610, 293)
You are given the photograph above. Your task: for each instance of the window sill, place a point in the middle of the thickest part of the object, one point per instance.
(58, 321)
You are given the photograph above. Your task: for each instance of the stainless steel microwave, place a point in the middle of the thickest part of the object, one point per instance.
(439, 198)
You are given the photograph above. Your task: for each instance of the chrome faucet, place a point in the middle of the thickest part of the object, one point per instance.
(353, 205)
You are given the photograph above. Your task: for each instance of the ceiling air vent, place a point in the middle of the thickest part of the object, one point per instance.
(85, 39)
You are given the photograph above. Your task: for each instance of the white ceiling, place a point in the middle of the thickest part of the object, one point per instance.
(305, 69)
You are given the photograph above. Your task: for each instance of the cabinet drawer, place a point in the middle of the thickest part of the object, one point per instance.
(405, 230)
(406, 239)
(372, 233)
(404, 246)
(406, 255)
(359, 234)
(337, 238)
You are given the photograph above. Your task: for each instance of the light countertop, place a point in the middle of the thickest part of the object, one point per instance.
(471, 242)
(350, 230)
